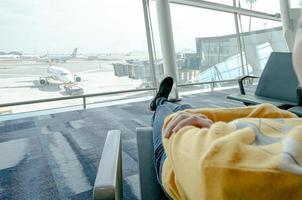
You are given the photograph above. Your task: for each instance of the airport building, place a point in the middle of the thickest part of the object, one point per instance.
(208, 63)
(77, 79)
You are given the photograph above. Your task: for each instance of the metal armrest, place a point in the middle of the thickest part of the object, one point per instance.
(240, 82)
(108, 182)
(149, 186)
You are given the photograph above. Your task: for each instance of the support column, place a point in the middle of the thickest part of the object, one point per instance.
(167, 43)
(287, 23)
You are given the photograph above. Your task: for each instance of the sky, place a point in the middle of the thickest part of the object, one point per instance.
(108, 26)
(59, 26)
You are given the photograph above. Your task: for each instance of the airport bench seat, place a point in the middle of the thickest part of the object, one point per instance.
(277, 85)
(108, 183)
(251, 99)
(149, 187)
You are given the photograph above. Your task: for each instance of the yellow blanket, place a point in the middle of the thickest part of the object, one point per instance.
(248, 153)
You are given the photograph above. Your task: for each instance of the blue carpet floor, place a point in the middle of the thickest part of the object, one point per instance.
(56, 156)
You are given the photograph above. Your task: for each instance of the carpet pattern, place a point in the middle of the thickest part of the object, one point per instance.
(56, 156)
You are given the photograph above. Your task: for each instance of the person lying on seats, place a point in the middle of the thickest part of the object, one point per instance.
(230, 153)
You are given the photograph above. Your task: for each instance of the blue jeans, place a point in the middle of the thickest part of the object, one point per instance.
(163, 109)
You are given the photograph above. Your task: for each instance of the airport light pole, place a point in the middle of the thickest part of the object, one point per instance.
(167, 43)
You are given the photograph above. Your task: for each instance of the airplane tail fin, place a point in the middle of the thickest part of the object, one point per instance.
(74, 53)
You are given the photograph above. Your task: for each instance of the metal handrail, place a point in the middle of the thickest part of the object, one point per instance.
(84, 96)
(205, 83)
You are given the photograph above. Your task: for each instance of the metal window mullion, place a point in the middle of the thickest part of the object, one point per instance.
(243, 45)
(153, 44)
(239, 39)
(226, 8)
(149, 40)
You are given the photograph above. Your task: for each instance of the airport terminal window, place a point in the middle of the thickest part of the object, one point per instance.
(207, 41)
(206, 52)
(44, 42)
(259, 38)
(295, 4)
(271, 6)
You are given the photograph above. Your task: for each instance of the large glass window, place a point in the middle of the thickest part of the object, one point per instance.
(206, 41)
(259, 38)
(295, 4)
(271, 6)
(50, 45)
(206, 44)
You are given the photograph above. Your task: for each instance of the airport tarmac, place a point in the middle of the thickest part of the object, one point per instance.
(13, 69)
(19, 81)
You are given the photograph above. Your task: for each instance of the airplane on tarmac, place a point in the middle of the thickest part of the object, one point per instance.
(59, 59)
(60, 74)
